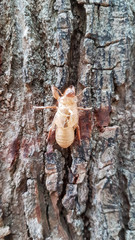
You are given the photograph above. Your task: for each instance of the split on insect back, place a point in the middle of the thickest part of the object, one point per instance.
(66, 119)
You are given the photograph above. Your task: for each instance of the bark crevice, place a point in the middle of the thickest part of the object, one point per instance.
(79, 28)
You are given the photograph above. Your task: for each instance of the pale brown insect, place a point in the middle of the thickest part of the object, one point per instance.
(66, 118)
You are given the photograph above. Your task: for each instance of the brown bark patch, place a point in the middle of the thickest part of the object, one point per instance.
(85, 123)
(102, 117)
(14, 151)
(28, 146)
(38, 213)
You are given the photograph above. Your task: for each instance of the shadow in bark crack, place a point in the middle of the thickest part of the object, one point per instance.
(63, 212)
(79, 26)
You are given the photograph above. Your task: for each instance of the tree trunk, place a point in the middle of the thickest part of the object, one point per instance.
(86, 191)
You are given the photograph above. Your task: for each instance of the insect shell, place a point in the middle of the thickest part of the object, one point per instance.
(66, 118)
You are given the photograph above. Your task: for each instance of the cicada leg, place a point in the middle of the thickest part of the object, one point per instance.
(50, 131)
(78, 133)
(56, 92)
(49, 134)
(42, 107)
(86, 109)
(82, 91)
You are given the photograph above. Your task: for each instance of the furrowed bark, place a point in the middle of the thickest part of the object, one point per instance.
(83, 192)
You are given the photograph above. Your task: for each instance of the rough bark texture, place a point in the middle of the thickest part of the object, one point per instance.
(83, 192)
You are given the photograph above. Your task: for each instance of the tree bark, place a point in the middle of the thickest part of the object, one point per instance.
(86, 191)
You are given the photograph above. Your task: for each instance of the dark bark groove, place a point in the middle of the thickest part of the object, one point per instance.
(86, 191)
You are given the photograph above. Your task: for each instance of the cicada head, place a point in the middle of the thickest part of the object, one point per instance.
(70, 92)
